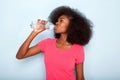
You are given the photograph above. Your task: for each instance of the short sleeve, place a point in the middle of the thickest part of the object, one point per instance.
(79, 55)
(42, 44)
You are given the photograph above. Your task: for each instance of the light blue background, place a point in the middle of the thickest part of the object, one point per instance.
(102, 53)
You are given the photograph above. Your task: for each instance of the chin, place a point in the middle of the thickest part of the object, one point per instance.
(57, 32)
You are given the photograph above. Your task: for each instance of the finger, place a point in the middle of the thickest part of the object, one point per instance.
(43, 22)
(39, 19)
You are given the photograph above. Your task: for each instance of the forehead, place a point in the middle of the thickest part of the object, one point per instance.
(63, 17)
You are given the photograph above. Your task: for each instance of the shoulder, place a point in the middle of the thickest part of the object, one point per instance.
(78, 47)
(78, 53)
(48, 40)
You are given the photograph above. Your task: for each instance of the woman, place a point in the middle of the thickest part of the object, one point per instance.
(64, 52)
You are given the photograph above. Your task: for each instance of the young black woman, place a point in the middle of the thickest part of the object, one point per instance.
(64, 52)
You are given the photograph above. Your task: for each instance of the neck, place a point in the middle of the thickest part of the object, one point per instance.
(63, 39)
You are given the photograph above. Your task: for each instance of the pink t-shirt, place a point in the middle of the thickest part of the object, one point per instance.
(60, 63)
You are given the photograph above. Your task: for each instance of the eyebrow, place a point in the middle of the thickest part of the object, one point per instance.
(61, 18)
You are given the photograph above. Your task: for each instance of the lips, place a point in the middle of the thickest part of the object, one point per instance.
(55, 27)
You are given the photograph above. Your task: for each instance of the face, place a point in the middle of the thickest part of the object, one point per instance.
(62, 24)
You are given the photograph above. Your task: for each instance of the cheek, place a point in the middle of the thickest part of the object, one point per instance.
(61, 29)
(64, 28)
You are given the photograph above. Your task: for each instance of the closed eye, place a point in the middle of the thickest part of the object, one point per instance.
(61, 20)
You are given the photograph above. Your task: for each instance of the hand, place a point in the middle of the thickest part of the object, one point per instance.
(40, 26)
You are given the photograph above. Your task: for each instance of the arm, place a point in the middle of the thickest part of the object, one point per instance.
(24, 51)
(79, 71)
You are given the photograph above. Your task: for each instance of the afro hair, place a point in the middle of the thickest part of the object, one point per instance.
(80, 28)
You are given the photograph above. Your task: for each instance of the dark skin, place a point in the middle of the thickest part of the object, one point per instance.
(61, 43)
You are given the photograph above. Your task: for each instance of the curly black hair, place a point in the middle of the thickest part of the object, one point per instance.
(80, 28)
